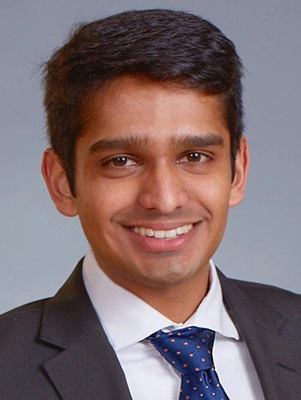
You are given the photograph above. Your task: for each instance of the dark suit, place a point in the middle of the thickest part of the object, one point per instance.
(56, 348)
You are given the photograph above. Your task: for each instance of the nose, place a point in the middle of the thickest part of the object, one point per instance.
(163, 190)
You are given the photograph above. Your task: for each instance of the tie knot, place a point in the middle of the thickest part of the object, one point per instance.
(189, 350)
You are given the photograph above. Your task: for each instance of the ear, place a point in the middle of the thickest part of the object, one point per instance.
(239, 183)
(57, 183)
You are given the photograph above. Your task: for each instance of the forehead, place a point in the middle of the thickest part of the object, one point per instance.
(151, 110)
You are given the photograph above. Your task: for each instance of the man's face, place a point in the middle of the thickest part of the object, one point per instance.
(153, 181)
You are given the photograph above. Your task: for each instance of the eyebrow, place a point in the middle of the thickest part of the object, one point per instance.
(120, 143)
(177, 142)
(195, 140)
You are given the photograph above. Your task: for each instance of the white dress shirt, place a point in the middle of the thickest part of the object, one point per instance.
(128, 320)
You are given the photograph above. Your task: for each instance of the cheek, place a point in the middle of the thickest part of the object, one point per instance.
(213, 195)
(119, 195)
(104, 200)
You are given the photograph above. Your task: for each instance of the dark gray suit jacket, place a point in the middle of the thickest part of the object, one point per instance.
(56, 348)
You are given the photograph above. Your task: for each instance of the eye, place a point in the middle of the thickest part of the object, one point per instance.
(121, 161)
(194, 157)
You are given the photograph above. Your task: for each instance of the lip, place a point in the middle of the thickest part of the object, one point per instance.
(154, 245)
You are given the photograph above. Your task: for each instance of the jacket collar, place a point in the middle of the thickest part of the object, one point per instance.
(87, 366)
(268, 335)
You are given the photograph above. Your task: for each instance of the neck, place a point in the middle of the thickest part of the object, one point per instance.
(177, 302)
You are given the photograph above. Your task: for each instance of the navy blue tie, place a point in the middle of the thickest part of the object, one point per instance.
(189, 351)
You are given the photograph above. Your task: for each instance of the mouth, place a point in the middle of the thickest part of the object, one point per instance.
(163, 234)
(159, 238)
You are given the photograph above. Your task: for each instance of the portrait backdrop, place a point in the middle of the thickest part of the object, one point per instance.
(40, 247)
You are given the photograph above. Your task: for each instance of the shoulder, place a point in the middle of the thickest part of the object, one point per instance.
(276, 297)
(21, 324)
(20, 343)
(25, 310)
(23, 354)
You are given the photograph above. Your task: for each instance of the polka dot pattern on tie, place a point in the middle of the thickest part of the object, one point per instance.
(189, 351)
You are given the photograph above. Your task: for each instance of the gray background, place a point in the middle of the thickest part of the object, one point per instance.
(39, 247)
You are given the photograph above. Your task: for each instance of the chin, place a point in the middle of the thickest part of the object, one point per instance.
(171, 275)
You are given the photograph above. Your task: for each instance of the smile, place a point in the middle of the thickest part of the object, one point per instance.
(163, 234)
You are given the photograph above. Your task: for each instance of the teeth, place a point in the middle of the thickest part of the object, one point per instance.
(186, 228)
(149, 232)
(159, 234)
(181, 230)
(172, 234)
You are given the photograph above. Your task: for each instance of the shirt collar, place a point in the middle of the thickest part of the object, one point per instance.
(211, 312)
(117, 309)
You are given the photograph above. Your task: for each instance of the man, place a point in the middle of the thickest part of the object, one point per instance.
(144, 116)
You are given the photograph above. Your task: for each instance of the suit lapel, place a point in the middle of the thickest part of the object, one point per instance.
(87, 366)
(268, 336)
